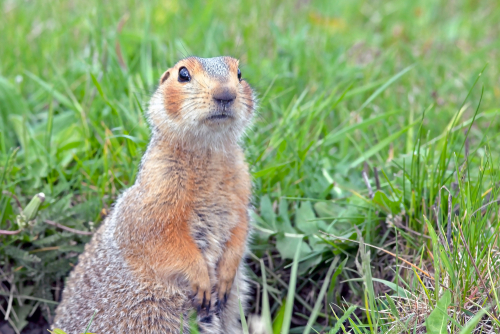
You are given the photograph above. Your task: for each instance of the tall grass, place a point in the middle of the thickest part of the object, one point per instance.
(374, 127)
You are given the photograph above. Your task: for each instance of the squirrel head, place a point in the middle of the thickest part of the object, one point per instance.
(202, 102)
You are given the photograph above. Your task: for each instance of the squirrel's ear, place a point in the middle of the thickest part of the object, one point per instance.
(164, 76)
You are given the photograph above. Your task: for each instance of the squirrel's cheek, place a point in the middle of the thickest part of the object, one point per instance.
(173, 101)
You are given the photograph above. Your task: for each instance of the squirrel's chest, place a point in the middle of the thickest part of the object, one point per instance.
(220, 201)
(210, 227)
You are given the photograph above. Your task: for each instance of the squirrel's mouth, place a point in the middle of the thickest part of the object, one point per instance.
(220, 117)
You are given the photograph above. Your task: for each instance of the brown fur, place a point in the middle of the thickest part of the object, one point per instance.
(176, 238)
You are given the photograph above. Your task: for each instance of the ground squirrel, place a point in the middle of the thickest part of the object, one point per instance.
(175, 240)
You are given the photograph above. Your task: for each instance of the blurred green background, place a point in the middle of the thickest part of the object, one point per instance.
(343, 86)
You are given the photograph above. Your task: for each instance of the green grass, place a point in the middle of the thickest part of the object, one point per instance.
(410, 88)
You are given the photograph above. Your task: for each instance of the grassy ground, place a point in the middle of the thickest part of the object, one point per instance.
(405, 91)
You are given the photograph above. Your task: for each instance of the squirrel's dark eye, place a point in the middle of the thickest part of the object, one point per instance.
(239, 74)
(184, 75)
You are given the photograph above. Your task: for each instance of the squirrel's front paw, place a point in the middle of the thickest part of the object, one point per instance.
(225, 279)
(200, 283)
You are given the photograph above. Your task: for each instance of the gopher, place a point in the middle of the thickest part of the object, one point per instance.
(175, 240)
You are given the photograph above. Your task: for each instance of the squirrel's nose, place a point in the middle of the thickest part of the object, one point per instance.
(224, 97)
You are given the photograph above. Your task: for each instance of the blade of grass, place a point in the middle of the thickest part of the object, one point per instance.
(266, 311)
(380, 145)
(338, 134)
(319, 300)
(384, 86)
(340, 321)
(278, 319)
(470, 326)
(244, 324)
(435, 249)
(287, 318)
(90, 322)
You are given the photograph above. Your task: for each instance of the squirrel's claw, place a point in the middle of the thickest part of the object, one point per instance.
(202, 302)
(222, 295)
(200, 284)
(226, 272)
(208, 307)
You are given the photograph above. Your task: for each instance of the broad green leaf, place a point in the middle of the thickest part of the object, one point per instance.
(325, 209)
(284, 225)
(387, 204)
(437, 321)
(21, 255)
(310, 261)
(287, 246)
(304, 218)
(267, 212)
(22, 313)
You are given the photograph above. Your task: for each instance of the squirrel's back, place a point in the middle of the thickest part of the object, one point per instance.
(175, 240)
